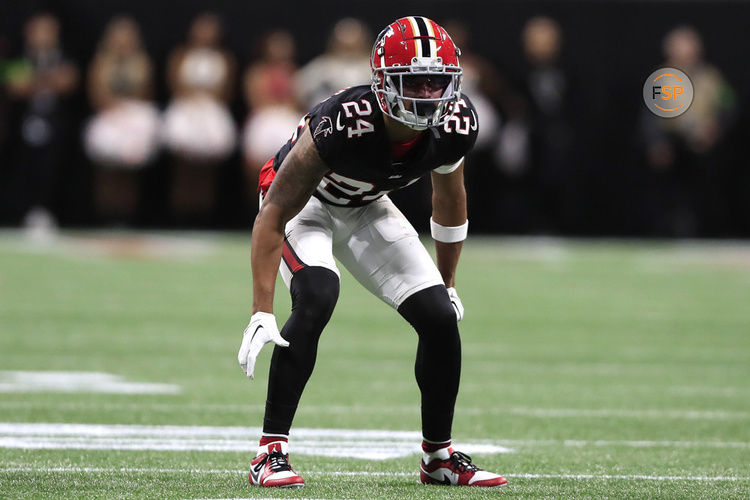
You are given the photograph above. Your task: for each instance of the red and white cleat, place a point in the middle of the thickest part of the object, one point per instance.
(457, 470)
(271, 468)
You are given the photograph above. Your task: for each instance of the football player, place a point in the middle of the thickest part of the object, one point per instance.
(324, 194)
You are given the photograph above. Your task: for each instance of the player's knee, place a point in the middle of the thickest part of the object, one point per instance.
(430, 310)
(315, 291)
(443, 317)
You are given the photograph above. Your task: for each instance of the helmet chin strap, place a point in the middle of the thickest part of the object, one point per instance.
(416, 120)
(410, 119)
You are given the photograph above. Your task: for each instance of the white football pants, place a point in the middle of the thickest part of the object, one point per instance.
(375, 243)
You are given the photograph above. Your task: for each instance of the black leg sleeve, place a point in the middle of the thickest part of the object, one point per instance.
(438, 365)
(315, 291)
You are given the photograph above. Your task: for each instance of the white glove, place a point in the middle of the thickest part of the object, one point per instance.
(261, 330)
(457, 305)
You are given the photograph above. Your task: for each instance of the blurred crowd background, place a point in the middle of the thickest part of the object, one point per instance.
(160, 114)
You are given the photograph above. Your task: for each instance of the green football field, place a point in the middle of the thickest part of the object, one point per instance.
(590, 369)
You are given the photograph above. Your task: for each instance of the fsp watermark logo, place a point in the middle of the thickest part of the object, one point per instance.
(668, 92)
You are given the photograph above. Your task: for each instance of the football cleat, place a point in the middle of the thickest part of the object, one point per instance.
(271, 468)
(457, 470)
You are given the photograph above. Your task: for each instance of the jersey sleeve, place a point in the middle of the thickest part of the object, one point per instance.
(458, 135)
(448, 168)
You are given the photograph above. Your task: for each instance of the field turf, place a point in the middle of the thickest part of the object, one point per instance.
(602, 369)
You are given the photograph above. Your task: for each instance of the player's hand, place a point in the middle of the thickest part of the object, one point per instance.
(261, 330)
(457, 305)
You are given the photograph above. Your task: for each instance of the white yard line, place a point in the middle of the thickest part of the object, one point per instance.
(620, 413)
(684, 414)
(608, 477)
(641, 443)
(352, 443)
(142, 405)
(691, 390)
(355, 443)
(658, 444)
(156, 470)
(69, 382)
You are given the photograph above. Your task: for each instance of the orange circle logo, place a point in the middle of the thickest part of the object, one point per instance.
(668, 92)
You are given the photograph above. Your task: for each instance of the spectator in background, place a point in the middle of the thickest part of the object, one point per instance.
(5, 121)
(4, 112)
(269, 93)
(481, 81)
(198, 128)
(346, 62)
(123, 136)
(487, 89)
(536, 140)
(683, 152)
(40, 82)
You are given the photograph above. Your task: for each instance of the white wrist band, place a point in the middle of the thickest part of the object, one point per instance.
(446, 234)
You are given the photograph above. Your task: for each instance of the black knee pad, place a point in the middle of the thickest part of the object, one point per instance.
(429, 310)
(315, 291)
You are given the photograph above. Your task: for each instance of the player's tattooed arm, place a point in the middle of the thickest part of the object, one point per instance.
(295, 182)
(448, 209)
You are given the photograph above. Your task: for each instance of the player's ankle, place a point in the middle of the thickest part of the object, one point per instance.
(432, 450)
(267, 439)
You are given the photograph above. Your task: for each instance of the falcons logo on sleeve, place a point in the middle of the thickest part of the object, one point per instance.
(325, 127)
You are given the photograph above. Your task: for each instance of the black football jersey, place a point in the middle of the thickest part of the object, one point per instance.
(349, 132)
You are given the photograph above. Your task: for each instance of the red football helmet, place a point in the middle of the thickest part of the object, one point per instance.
(408, 54)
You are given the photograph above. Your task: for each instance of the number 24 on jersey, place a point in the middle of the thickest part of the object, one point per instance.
(351, 109)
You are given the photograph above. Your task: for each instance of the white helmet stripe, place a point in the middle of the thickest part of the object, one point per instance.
(417, 33)
(433, 37)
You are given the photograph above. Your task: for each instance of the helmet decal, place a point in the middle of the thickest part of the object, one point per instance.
(424, 37)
